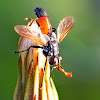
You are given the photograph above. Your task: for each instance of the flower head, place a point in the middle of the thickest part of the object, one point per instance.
(34, 81)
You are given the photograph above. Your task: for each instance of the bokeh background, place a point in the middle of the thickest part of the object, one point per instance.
(80, 49)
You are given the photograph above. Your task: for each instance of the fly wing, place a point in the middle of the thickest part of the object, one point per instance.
(27, 32)
(64, 27)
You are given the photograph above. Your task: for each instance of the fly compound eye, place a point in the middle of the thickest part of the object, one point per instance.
(60, 59)
(52, 61)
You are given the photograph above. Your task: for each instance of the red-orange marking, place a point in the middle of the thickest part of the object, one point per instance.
(45, 25)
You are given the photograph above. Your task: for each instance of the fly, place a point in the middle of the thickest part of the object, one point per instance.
(46, 38)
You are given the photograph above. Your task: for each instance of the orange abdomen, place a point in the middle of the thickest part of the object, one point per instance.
(45, 25)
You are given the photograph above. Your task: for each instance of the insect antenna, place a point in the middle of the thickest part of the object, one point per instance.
(28, 49)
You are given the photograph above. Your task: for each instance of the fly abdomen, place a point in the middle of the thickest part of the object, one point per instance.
(43, 20)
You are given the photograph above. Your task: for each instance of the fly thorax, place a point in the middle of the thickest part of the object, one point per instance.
(55, 47)
(48, 50)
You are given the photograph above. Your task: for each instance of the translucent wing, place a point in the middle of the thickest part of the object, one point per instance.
(64, 27)
(27, 32)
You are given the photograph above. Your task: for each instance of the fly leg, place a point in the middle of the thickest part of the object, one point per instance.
(52, 67)
(54, 29)
(32, 20)
(62, 70)
(28, 49)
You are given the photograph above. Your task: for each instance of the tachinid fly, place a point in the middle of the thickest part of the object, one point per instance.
(45, 36)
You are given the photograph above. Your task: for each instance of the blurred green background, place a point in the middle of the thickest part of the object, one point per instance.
(80, 49)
